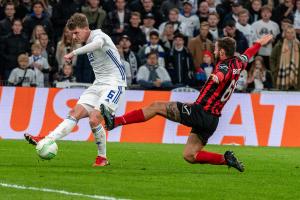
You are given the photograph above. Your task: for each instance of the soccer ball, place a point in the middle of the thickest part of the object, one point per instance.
(46, 149)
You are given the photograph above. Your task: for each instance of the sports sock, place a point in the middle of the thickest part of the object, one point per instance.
(134, 116)
(63, 129)
(100, 139)
(204, 157)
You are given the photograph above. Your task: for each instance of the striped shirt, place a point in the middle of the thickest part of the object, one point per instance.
(213, 96)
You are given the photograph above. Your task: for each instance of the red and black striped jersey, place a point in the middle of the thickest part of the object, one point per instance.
(213, 96)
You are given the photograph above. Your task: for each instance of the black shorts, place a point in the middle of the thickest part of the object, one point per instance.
(203, 123)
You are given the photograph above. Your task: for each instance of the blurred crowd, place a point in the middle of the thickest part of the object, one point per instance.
(163, 43)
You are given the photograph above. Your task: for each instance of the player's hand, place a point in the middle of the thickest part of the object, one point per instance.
(68, 57)
(214, 78)
(264, 39)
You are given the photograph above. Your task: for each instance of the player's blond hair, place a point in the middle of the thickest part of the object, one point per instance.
(77, 20)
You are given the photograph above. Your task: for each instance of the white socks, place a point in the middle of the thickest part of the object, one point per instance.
(100, 139)
(63, 129)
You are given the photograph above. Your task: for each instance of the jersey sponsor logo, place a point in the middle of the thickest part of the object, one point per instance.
(223, 67)
(186, 109)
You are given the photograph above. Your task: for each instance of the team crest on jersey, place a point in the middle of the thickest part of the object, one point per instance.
(186, 109)
(91, 57)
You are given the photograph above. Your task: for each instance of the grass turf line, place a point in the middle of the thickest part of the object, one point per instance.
(148, 171)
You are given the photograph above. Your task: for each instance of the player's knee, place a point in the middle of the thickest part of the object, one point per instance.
(94, 119)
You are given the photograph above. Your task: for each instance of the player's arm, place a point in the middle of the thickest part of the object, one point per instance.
(94, 45)
(97, 43)
(250, 52)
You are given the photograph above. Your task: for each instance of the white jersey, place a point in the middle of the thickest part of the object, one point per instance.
(104, 58)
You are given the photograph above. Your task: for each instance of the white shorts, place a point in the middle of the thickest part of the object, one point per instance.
(95, 95)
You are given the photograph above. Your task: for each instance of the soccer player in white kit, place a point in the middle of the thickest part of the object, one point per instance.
(107, 89)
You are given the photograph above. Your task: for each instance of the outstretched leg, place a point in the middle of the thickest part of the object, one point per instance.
(168, 110)
(64, 128)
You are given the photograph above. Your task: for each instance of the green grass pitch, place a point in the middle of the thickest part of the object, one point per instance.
(148, 171)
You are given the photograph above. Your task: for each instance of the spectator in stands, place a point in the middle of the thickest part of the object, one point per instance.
(48, 52)
(259, 78)
(148, 7)
(265, 26)
(130, 57)
(22, 75)
(205, 69)
(37, 31)
(180, 63)
(94, 13)
(66, 75)
(243, 26)
(62, 11)
(199, 43)
(233, 15)
(285, 62)
(283, 10)
(151, 75)
(214, 30)
(148, 25)
(153, 45)
(173, 18)
(7, 22)
(136, 35)
(191, 20)
(12, 46)
(167, 36)
(65, 46)
(38, 17)
(207, 64)
(284, 24)
(168, 5)
(203, 11)
(223, 9)
(230, 30)
(254, 11)
(128, 71)
(23, 9)
(39, 64)
(117, 20)
(297, 19)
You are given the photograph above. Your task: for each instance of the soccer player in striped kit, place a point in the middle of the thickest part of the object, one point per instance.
(107, 89)
(203, 115)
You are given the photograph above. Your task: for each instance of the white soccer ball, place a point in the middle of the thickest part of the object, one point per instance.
(46, 149)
